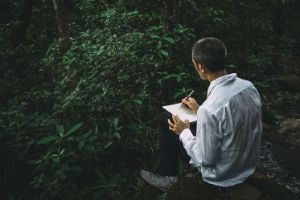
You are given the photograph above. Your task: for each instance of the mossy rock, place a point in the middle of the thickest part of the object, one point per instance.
(258, 187)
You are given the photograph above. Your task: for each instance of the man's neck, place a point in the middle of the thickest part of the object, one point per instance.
(214, 75)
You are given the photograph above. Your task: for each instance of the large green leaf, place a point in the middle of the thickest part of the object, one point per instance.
(170, 40)
(47, 139)
(74, 128)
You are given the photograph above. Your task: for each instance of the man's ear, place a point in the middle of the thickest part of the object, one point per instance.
(201, 68)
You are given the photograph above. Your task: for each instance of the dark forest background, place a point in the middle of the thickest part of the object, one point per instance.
(83, 82)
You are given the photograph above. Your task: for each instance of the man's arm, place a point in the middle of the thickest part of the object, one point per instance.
(205, 146)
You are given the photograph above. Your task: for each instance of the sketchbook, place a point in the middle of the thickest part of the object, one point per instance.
(183, 112)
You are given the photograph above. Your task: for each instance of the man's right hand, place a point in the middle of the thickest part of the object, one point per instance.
(191, 103)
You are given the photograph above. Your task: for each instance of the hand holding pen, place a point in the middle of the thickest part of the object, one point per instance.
(190, 102)
(188, 96)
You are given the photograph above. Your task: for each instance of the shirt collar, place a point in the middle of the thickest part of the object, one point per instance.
(221, 80)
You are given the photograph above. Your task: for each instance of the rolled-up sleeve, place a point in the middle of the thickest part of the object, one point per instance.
(205, 146)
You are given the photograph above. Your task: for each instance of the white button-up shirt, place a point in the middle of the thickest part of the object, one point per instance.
(229, 128)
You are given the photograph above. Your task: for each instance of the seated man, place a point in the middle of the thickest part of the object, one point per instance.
(226, 142)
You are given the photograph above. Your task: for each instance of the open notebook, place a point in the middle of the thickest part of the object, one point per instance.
(183, 112)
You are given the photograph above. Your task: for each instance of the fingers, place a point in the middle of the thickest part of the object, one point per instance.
(192, 100)
(187, 123)
(174, 119)
(191, 103)
(177, 123)
(188, 103)
(185, 101)
(177, 118)
(171, 125)
(177, 126)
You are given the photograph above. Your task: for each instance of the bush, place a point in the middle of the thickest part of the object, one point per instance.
(76, 131)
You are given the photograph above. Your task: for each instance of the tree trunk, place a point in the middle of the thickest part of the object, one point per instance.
(61, 25)
(170, 12)
(19, 35)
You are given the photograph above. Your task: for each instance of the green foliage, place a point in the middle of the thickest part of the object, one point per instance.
(94, 111)
(79, 126)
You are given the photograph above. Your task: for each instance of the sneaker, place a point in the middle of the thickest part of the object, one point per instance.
(160, 182)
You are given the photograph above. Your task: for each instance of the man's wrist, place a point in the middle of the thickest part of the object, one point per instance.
(186, 133)
(183, 130)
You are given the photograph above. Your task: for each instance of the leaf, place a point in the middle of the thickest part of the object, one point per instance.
(118, 136)
(164, 52)
(170, 40)
(74, 128)
(159, 45)
(46, 92)
(84, 136)
(61, 130)
(47, 139)
(137, 101)
(108, 144)
(155, 37)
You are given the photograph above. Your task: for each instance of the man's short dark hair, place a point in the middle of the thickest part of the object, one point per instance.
(211, 52)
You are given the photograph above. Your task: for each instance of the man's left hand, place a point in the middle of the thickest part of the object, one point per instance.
(178, 126)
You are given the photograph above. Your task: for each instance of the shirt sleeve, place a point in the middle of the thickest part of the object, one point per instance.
(205, 146)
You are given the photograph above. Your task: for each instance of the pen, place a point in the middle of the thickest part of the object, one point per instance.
(188, 96)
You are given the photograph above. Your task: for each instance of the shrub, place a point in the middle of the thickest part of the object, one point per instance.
(99, 106)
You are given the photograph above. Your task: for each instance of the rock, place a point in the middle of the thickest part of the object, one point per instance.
(194, 189)
(287, 150)
(269, 188)
(289, 133)
(268, 133)
(258, 187)
(244, 192)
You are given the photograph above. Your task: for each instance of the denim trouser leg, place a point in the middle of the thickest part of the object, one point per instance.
(169, 147)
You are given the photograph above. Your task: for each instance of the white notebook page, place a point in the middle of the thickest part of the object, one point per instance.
(182, 112)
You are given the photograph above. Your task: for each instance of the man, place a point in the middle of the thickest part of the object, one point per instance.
(229, 127)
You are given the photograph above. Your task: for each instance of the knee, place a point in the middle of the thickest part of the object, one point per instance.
(163, 119)
(164, 125)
